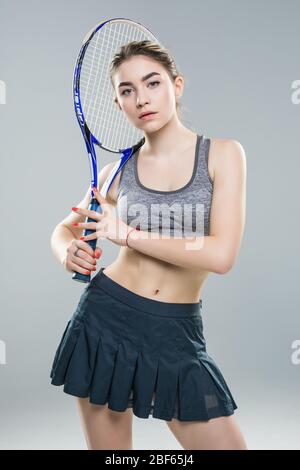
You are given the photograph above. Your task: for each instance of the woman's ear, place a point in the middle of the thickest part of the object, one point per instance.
(179, 86)
(117, 103)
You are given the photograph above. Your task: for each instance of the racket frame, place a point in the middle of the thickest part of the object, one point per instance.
(91, 141)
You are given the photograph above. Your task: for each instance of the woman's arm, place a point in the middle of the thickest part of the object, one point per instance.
(60, 240)
(218, 251)
(64, 232)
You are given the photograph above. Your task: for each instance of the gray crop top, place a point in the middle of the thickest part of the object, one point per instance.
(182, 212)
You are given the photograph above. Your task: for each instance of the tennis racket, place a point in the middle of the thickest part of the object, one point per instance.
(100, 121)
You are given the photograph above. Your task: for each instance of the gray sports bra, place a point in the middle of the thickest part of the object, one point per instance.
(182, 212)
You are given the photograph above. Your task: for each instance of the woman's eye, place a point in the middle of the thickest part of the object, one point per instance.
(128, 89)
(123, 92)
(153, 83)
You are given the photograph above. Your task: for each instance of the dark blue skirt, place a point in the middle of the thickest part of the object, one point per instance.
(127, 350)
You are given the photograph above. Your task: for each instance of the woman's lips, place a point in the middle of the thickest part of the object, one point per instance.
(148, 116)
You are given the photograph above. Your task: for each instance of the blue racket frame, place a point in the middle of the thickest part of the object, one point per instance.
(91, 141)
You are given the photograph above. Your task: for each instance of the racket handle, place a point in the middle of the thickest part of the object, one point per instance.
(94, 205)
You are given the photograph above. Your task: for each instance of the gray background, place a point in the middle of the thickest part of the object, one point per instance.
(239, 59)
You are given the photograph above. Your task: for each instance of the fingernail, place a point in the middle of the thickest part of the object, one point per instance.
(81, 238)
(75, 224)
(87, 272)
(75, 209)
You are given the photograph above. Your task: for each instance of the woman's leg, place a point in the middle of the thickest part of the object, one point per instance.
(104, 428)
(222, 433)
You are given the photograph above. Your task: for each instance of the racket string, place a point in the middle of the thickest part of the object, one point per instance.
(105, 121)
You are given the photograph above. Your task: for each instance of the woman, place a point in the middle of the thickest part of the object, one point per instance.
(135, 343)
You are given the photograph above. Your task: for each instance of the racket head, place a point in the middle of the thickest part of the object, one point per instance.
(101, 120)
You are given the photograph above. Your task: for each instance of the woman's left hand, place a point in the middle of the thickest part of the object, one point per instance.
(107, 225)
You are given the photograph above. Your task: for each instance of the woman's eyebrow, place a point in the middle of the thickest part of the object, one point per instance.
(142, 79)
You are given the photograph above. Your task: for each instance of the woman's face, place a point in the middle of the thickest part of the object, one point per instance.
(155, 93)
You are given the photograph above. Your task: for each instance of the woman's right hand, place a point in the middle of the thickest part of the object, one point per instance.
(84, 261)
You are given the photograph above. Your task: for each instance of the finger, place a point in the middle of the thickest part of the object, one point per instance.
(88, 213)
(98, 252)
(86, 259)
(89, 258)
(84, 264)
(78, 269)
(102, 201)
(76, 251)
(85, 247)
(98, 195)
(87, 225)
(91, 236)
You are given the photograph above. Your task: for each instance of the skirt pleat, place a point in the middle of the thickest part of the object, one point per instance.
(83, 359)
(122, 378)
(104, 369)
(125, 350)
(64, 352)
(166, 385)
(144, 382)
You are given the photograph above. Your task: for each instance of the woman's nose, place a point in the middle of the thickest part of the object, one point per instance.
(141, 101)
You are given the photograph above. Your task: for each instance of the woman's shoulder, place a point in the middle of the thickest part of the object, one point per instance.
(224, 151)
(225, 145)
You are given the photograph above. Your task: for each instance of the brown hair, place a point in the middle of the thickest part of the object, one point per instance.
(150, 49)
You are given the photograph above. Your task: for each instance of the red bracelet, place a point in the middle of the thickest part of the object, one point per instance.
(128, 236)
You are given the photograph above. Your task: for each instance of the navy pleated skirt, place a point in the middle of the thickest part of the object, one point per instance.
(127, 350)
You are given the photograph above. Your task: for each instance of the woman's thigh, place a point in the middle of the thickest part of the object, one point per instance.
(105, 428)
(222, 433)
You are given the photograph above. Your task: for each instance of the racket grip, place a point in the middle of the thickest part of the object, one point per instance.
(94, 205)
